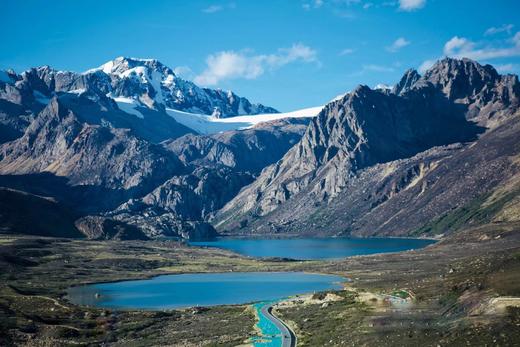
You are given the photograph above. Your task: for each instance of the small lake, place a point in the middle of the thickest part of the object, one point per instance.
(314, 248)
(208, 289)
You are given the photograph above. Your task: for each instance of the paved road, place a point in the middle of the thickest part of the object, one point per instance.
(288, 336)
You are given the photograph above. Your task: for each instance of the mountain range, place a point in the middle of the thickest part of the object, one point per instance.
(113, 149)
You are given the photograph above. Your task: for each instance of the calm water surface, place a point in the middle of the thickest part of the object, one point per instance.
(188, 290)
(314, 248)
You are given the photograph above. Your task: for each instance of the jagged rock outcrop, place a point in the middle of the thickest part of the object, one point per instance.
(488, 97)
(407, 81)
(434, 192)
(223, 164)
(17, 107)
(193, 196)
(101, 228)
(249, 150)
(161, 224)
(360, 133)
(23, 99)
(60, 142)
(13, 120)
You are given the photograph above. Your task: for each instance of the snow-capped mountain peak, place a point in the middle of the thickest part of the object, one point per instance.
(121, 65)
(153, 84)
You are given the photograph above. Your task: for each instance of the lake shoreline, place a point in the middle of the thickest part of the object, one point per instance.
(199, 290)
(296, 236)
(320, 249)
(38, 270)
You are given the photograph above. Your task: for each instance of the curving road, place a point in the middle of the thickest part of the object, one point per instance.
(288, 336)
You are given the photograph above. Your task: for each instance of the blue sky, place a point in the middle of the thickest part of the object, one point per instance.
(286, 54)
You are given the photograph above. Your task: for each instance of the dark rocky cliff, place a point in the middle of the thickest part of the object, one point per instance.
(358, 143)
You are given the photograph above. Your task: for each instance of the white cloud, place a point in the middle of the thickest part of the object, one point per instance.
(347, 51)
(411, 5)
(225, 65)
(343, 13)
(339, 7)
(516, 39)
(378, 68)
(184, 72)
(314, 4)
(213, 9)
(367, 68)
(460, 47)
(296, 52)
(398, 44)
(506, 68)
(496, 30)
(230, 64)
(457, 44)
(426, 65)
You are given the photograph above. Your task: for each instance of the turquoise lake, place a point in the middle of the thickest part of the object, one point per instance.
(263, 288)
(210, 289)
(314, 248)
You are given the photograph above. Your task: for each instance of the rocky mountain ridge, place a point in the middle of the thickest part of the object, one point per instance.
(67, 138)
(132, 93)
(410, 160)
(156, 86)
(454, 102)
(147, 81)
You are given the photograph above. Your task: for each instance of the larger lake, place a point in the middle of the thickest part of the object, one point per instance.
(209, 289)
(314, 248)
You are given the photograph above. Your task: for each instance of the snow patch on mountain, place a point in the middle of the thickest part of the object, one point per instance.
(382, 86)
(205, 124)
(128, 105)
(339, 97)
(77, 91)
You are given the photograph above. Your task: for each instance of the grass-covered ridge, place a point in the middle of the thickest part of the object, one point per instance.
(479, 211)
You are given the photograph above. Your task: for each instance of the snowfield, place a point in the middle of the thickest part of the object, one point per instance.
(205, 124)
(170, 90)
(128, 105)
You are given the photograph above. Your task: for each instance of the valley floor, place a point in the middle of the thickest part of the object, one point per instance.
(465, 290)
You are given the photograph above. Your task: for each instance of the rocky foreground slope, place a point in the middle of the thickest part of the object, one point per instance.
(385, 163)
